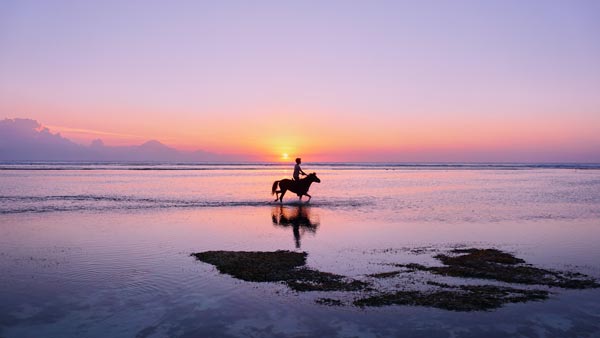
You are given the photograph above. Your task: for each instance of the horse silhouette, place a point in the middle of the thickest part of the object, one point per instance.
(296, 217)
(299, 187)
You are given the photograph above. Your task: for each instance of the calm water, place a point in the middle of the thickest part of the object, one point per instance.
(99, 250)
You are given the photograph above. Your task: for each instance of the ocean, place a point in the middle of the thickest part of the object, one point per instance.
(103, 249)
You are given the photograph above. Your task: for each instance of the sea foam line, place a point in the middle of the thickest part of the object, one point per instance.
(43, 204)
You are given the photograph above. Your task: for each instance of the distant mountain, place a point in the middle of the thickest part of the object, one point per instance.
(27, 140)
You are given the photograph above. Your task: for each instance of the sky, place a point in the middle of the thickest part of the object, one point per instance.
(431, 81)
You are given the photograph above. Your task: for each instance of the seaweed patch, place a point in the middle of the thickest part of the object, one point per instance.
(456, 298)
(329, 302)
(290, 268)
(501, 266)
(278, 266)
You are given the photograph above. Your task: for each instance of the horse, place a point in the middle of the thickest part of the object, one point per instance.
(299, 187)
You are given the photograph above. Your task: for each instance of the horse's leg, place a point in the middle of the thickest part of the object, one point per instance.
(309, 197)
(281, 196)
(277, 195)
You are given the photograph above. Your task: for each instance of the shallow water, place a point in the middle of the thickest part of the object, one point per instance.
(96, 250)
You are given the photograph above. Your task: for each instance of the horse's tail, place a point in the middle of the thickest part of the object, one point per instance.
(274, 187)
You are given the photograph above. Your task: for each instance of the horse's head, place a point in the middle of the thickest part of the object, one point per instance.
(313, 177)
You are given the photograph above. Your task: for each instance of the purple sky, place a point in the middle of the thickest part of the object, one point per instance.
(372, 80)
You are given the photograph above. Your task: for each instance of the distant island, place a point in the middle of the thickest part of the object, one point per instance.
(23, 139)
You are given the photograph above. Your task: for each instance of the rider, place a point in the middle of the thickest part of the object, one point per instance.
(298, 170)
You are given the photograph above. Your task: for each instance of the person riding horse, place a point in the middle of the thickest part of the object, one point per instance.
(298, 170)
(298, 186)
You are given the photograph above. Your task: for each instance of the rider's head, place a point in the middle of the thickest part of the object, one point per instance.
(298, 160)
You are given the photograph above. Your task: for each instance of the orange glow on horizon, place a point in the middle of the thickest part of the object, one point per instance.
(317, 135)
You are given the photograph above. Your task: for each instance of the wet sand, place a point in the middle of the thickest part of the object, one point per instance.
(99, 253)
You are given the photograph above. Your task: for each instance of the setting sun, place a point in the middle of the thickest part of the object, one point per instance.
(285, 156)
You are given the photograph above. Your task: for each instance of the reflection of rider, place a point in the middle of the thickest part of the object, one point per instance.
(298, 170)
(298, 218)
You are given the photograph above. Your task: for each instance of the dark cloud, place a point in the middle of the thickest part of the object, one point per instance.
(27, 140)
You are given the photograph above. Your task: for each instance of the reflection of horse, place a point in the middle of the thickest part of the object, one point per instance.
(298, 217)
(299, 187)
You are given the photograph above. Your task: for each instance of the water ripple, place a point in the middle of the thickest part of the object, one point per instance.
(59, 203)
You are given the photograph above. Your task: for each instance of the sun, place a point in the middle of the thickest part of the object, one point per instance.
(285, 156)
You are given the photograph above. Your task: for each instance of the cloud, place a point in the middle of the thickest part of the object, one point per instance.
(27, 140)
(24, 139)
(93, 133)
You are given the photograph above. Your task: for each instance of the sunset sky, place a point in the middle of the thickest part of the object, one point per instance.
(325, 80)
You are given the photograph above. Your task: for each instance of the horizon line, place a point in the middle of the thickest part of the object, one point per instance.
(432, 163)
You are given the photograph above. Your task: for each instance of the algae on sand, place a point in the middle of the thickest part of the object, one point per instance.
(278, 266)
(456, 298)
(254, 266)
(290, 268)
(489, 264)
(501, 266)
(329, 302)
